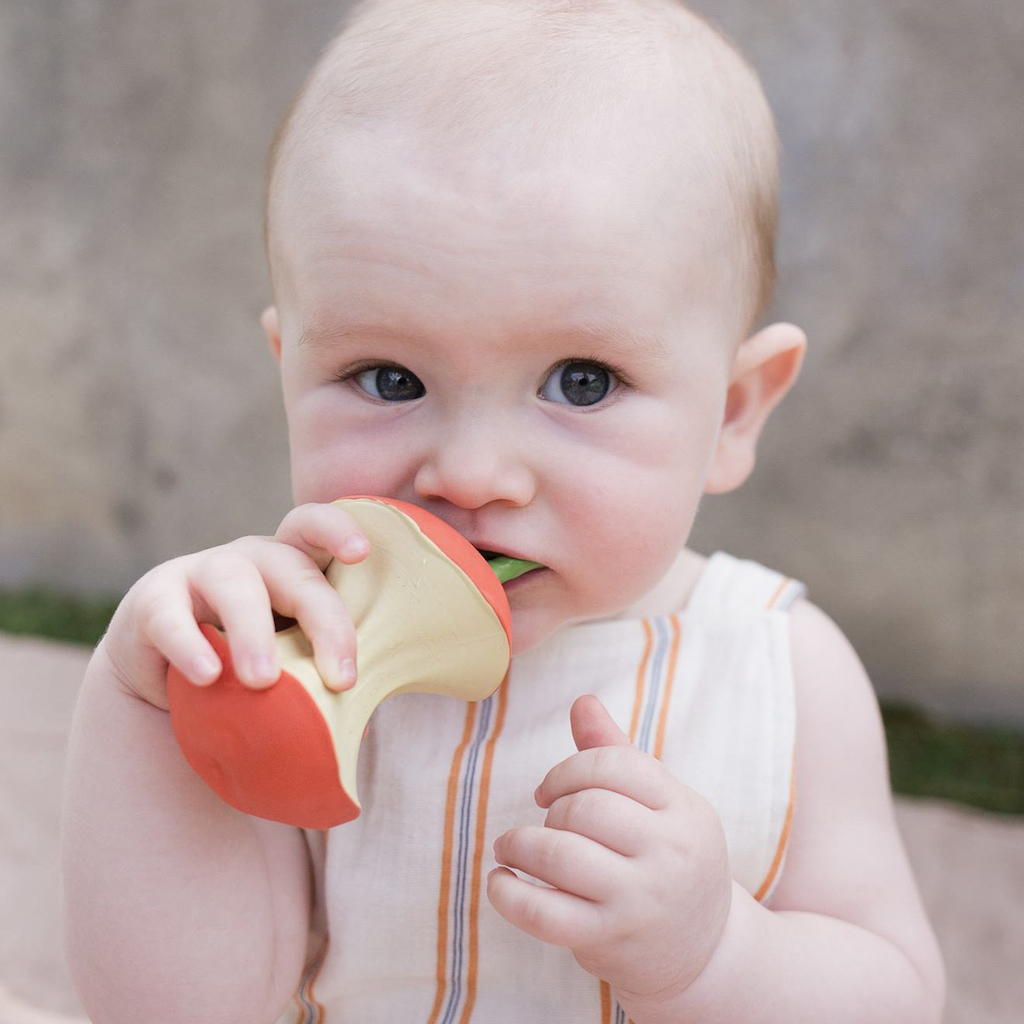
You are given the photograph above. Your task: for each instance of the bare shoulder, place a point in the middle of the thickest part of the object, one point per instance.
(840, 738)
(845, 856)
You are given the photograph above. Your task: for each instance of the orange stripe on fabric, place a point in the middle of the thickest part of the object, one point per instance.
(446, 863)
(478, 854)
(666, 695)
(778, 593)
(312, 981)
(300, 1007)
(319, 963)
(638, 699)
(783, 838)
(606, 1003)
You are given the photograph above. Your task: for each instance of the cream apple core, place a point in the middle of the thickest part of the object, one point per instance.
(422, 626)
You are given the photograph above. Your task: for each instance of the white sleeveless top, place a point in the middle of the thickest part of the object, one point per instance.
(404, 933)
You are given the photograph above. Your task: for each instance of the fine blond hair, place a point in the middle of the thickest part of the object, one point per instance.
(464, 70)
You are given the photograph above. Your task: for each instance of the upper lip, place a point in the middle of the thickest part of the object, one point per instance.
(500, 549)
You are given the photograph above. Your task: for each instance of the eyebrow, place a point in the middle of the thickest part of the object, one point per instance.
(316, 335)
(634, 340)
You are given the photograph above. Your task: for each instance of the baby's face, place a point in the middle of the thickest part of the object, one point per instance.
(538, 361)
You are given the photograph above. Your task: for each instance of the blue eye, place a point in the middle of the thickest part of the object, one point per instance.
(390, 383)
(578, 382)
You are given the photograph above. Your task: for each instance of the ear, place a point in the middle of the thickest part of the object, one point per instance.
(272, 328)
(764, 369)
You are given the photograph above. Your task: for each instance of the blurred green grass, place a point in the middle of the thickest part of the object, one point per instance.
(37, 611)
(979, 766)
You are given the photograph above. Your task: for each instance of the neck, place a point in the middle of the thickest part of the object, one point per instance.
(672, 592)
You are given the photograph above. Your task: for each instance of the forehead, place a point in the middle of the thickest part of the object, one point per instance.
(588, 238)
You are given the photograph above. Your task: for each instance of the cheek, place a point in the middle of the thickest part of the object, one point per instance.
(650, 487)
(335, 481)
(636, 529)
(331, 458)
(651, 532)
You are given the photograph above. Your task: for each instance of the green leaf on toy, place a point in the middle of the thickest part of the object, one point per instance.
(509, 568)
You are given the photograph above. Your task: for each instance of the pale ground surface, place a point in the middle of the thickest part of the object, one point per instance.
(970, 865)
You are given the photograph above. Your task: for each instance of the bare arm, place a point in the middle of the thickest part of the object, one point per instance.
(178, 908)
(846, 939)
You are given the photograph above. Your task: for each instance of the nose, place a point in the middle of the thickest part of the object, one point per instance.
(472, 466)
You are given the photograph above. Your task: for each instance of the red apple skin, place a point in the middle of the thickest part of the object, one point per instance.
(267, 752)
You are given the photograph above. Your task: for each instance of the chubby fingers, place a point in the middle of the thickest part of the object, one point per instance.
(592, 726)
(567, 860)
(298, 589)
(291, 564)
(227, 585)
(239, 585)
(547, 914)
(323, 532)
(611, 819)
(166, 617)
(584, 851)
(223, 586)
(619, 769)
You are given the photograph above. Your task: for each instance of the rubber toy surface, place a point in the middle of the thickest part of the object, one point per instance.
(430, 615)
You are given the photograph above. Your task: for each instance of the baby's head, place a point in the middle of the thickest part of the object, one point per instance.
(517, 247)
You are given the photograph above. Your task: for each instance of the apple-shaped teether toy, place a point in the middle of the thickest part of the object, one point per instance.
(430, 615)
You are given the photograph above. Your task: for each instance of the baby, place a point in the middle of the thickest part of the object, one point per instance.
(519, 250)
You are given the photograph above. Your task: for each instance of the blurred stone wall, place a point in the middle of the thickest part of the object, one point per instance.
(139, 410)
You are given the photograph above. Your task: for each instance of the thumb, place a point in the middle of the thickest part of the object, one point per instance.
(592, 726)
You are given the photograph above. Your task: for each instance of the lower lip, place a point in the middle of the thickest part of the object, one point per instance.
(531, 575)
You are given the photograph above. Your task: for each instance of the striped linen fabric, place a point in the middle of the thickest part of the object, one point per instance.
(401, 890)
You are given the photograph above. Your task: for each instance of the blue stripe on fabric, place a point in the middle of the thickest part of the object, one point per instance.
(794, 589)
(309, 1008)
(465, 814)
(654, 684)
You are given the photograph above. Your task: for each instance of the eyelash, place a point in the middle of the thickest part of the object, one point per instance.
(353, 371)
(619, 375)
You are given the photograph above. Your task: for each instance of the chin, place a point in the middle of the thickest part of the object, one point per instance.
(532, 627)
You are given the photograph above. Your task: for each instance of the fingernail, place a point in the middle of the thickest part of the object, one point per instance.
(354, 547)
(204, 670)
(347, 673)
(262, 668)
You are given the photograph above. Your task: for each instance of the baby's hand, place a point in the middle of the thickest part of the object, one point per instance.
(637, 860)
(238, 586)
